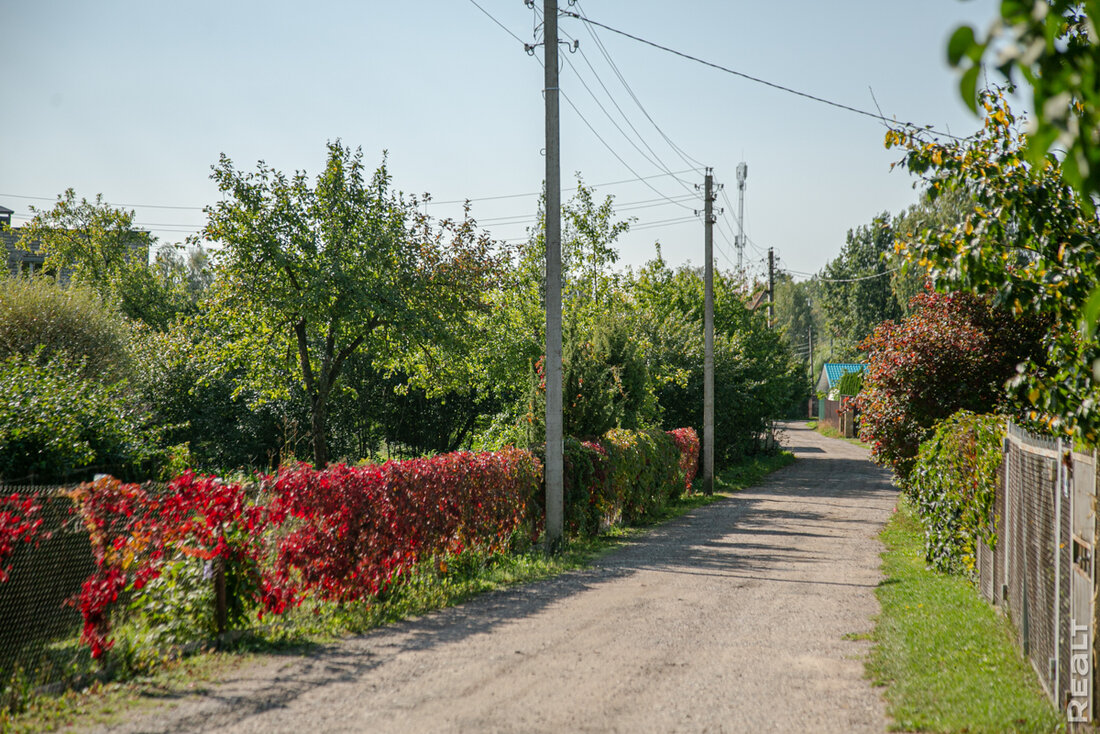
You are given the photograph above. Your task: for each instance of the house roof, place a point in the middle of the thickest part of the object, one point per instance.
(5, 210)
(833, 371)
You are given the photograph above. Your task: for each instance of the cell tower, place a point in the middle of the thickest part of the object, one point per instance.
(742, 174)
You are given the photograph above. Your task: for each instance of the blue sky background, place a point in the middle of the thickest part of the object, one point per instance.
(136, 100)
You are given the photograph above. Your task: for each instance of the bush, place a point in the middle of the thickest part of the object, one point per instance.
(952, 486)
(954, 351)
(605, 384)
(203, 402)
(358, 530)
(40, 317)
(55, 425)
(687, 441)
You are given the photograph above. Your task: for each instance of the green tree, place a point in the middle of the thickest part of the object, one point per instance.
(1053, 46)
(343, 265)
(99, 246)
(855, 287)
(756, 379)
(1029, 243)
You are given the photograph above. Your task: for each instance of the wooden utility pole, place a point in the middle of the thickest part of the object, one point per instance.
(708, 336)
(554, 470)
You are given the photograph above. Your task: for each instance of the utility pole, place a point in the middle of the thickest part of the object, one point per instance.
(810, 337)
(708, 336)
(554, 470)
(742, 174)
(771, 287)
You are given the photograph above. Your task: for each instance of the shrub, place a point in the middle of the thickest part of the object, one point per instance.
(358, 530)
(952, 485)
(40, 317)
(687, 441)
(56, 425)
(19, 520)
(644, 472)
(605, 384)
(954, 351)
(135, 534)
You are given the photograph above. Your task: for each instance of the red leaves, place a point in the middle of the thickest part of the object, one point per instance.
(953, 351)
(361, 529)
(17, 522)
(134, 531)
(687, 440)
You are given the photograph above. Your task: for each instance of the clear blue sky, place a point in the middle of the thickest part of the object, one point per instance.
(136, 100)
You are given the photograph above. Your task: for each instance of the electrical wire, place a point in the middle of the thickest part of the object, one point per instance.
(503, 27)
(844, 280)
(659, 162)
(758, 80)
(612, 150)
(656, 162)
(689, 160)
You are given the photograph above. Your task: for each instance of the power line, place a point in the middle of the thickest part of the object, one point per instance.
(503, 27)
(614, 67)
(127, 206)
(659, 163)
(758, 80)
(612, 151)
(656, 162)
(844, 280)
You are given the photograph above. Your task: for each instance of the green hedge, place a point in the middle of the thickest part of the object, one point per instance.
(623, 477)
(952, 487)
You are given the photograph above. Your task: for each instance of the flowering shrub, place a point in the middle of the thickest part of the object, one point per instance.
(687, 441)
(953, 485)
(18, 521)
(358, 530)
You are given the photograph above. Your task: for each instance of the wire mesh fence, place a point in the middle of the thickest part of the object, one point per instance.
(39, 635)
(1040, 571)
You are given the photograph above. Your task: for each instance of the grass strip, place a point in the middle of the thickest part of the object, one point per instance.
(303, 630)
(947, 657)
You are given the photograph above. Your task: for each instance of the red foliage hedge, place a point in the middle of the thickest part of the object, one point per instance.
(18, 521)
(347, 533)
(359, 529)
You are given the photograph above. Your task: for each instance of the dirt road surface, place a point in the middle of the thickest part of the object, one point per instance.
(738, 617)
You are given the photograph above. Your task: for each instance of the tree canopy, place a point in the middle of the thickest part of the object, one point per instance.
(342, 265)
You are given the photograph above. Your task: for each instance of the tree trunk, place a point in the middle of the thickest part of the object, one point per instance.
(318, 411)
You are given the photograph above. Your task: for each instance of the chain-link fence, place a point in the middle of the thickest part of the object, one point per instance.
(1040, 570)
(39, 635)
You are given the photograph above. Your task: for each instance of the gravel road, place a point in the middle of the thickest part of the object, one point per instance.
(735, 618)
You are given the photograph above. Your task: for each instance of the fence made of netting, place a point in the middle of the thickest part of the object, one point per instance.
(41, 624)
(1041, 569)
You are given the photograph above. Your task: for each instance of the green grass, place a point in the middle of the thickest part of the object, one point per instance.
(304, 629)
(947, 658)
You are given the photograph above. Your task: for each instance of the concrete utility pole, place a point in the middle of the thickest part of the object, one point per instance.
(771, 287)
(810, 337)
(554, 470)
(708, 336)
(742, 174)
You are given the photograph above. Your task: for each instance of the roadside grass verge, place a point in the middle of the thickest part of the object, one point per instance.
(829, 432)
(303, 630)
(948, 659)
